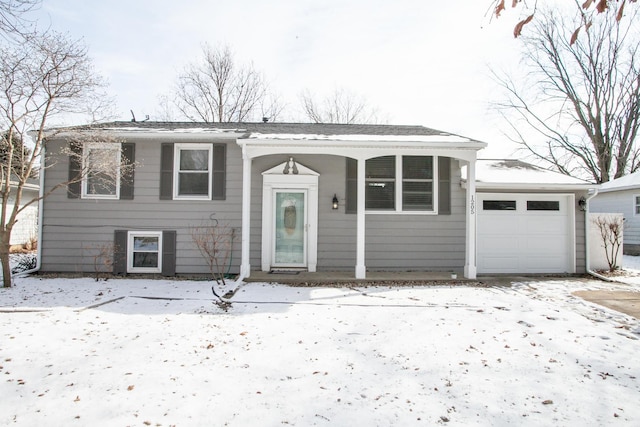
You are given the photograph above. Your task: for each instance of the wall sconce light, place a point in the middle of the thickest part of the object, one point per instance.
(582, 203)
(334, 202)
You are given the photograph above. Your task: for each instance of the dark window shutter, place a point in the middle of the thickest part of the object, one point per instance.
(351, 205)
(74, 188)
(166, 172)
(219, 172)
(444, 186)
(120, 252)
(169, 253)
(127, 178)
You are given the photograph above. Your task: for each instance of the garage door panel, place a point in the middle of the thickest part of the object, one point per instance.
(506, 264)
(524, 241)
(498, 244)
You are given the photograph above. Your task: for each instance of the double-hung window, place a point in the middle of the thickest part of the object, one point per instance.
(144, 252)
(192, 171)
(636, 205)
(400, 183)
(101, 165)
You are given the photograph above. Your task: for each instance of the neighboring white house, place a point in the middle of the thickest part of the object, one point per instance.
(622, 195)
(26, 228)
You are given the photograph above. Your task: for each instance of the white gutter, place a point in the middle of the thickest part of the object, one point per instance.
(40, 216)
(586, 242)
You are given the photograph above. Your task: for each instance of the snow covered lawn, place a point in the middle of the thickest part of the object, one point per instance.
(532, 354)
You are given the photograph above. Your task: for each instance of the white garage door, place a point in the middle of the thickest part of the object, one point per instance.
(525, 233)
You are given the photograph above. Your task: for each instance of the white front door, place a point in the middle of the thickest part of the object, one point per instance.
(290, 227)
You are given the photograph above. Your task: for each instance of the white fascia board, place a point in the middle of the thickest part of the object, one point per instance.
(357, 148)
(624, 188)
(487, 186)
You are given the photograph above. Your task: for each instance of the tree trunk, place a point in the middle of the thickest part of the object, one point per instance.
(4, 258)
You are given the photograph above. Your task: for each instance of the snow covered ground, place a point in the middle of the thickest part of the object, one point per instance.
(130, 352)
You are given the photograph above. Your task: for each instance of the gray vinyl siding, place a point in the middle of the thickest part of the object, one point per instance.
(74, 229)
(621, 202)
(393, 242)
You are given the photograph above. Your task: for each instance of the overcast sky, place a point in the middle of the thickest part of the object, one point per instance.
(417, 61)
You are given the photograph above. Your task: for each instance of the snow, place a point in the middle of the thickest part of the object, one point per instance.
(161, 353)
(517, 173)
(448, 138)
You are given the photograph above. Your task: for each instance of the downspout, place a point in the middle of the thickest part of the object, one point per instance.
(586, 242)
(40, 216)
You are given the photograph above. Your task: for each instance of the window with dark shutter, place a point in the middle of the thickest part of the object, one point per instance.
(351, 205)
(444, 186)
(120, 252)
(74, 188)
(166, 171)
(219, 172)
(169, 253)
(127, 178)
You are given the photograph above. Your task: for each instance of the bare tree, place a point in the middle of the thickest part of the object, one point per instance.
(40, 77)
(590, 8)
(215, 243)
(583, 98)
(12, 17)
(217, 89)
(342, 106)
(610, 228)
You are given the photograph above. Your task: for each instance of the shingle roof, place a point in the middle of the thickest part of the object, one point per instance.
(627, 182)
(281, 128)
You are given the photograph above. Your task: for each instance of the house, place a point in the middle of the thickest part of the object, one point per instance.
(25, 230)
(318, 197)
(622, 195)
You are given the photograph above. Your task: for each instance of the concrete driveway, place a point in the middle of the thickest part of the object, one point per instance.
(623, 301)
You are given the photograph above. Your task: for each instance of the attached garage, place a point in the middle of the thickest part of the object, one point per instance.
(526, 233)
(529, 219)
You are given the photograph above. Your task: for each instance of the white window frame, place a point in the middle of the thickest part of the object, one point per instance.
(176, 170)
(131, 235)
(117, 147)
(398, 183)
(636, 204)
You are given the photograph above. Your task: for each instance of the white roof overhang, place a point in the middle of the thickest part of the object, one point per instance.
(360, 146)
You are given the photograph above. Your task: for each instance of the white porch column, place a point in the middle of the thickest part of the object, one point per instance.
(245, 267)
(470, 267)
(361, 270)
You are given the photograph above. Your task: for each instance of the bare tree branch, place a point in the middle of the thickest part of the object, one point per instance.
(582, 98)
(217, 89)
(342, 106)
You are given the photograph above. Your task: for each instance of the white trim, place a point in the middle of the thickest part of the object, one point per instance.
(131, 235)
(245, 263)
(117, 147)
(635, 204)
(176, 170)
(275, 181)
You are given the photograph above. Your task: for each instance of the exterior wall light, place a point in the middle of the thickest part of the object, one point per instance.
(582, 203)
(334, 202)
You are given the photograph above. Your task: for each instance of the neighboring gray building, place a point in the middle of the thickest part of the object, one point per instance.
(622, 195)
(319, 197)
